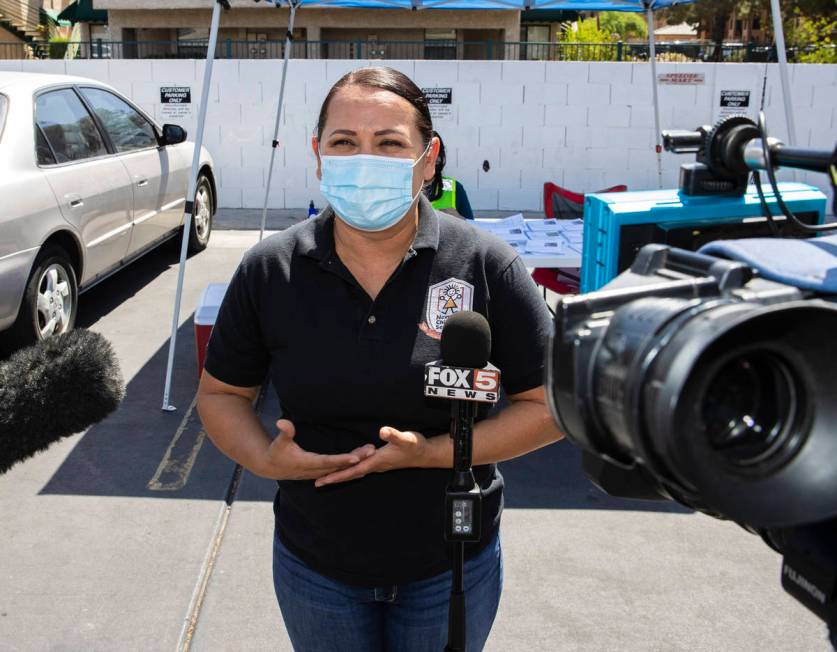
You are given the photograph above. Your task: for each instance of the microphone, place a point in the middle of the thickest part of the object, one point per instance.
(464, 373)
(56, 388)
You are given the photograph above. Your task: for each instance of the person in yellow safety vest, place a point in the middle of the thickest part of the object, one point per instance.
(446, 193)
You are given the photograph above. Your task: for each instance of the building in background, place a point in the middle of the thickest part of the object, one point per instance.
(336, 32)
(681, 32)
(159, 28)
(28, 24)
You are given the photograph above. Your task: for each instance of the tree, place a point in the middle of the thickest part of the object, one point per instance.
(708, 17)
(591, 42)
(624, 25)
(712, 17)
(816, 38)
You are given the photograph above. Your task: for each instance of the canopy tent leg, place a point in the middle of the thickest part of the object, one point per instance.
(275, 145)
(779, 31)
(652, 56)
(190, 193)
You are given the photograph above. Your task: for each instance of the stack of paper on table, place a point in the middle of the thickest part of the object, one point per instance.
(555, 246)
(542, 236)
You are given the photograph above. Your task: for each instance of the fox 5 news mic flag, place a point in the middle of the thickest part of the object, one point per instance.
(444, 381)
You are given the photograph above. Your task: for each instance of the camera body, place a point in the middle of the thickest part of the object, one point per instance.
(690, 377)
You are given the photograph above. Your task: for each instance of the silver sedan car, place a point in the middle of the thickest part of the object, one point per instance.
(88, 184)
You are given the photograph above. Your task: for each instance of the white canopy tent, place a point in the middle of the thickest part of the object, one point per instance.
(646, 6)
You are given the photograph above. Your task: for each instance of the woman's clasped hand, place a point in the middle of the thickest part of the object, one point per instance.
(284, 459)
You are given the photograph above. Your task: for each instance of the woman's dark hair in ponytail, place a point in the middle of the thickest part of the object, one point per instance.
(434, 187)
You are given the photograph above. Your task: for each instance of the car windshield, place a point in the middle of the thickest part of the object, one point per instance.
(4, 103)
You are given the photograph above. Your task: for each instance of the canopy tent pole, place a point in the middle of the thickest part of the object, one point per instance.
(190, 193)
(652, 55)
(288, 42)
(779, 32)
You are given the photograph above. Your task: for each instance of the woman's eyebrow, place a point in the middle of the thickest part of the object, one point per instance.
(382, 132)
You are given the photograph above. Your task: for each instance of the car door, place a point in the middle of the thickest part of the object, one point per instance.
(91, 186)
(157, 200)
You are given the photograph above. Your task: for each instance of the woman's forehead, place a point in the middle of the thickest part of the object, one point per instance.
(359, 108)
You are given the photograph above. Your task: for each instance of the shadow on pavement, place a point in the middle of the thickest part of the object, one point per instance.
(115, 290)
(551, 478)
(121, 455)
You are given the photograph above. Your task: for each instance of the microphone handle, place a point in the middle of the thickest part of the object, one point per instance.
(456, 607)
(462, 433)
(462, 418)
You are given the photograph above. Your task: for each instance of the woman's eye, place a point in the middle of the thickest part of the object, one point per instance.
(391, 143)
(341, 143)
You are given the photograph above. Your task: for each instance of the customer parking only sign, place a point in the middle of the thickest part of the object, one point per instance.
(176, 102)
(439, 101)
(734, 103)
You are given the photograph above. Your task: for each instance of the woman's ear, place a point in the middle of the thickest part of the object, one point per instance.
(430, 160)
(315, 146)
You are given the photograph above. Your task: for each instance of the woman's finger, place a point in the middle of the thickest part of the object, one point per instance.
(318, 462)
(367, 450)
(395, 436)
(286, 428)
(352, 473)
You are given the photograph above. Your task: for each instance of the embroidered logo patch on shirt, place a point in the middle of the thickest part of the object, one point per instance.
(443, 300)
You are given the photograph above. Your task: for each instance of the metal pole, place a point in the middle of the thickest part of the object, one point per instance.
(782, 55)
(652, 55)
(190, 196)
(288, 42)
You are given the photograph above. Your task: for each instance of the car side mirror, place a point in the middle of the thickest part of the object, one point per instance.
(172, 135)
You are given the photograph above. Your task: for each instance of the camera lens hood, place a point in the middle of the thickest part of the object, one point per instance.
(738, 408)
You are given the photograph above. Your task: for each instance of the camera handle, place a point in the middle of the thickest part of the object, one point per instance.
(809, 568)
(463, 508)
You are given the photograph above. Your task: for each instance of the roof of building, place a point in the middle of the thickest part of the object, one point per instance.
(683, 29)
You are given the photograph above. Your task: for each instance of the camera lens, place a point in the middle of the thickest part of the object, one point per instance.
(750, 408)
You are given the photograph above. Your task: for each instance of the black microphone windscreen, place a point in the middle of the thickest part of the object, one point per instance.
(466, 340)
(56, 388)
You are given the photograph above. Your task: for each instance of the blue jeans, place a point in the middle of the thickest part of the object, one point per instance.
(323, 615)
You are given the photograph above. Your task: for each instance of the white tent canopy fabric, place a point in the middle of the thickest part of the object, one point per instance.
(646, 6)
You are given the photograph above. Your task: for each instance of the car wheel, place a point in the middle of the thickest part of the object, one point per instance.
(50, 300)
(201, 226)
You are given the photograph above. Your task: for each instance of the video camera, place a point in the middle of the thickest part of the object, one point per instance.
(699, 379)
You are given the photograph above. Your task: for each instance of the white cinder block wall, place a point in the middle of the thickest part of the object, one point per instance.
(582, 125)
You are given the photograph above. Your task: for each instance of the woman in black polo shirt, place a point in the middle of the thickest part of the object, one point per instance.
(343, 311)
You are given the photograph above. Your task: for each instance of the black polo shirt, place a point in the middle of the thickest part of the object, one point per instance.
(344, 365)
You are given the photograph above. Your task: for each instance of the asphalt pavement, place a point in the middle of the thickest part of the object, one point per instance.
(138, 534)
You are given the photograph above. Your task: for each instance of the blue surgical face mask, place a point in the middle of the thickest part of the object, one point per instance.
(370, 193)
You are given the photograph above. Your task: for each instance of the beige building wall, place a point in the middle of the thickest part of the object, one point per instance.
(365, 33)
(261, 17)
(313, 23)
(56, 5)
(7, 37)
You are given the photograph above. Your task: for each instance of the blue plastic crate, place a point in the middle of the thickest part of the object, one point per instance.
(606, 214)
